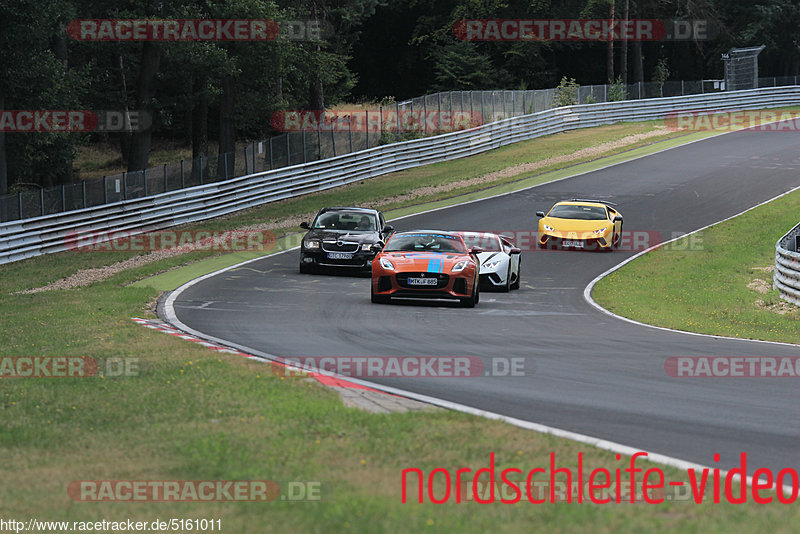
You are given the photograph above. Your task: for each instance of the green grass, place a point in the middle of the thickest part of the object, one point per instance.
(195, 414)
(699, 284)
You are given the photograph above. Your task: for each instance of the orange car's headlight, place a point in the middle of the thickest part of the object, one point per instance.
(460, 266)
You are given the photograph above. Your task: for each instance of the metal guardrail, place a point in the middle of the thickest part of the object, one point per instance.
(54, 233)
(786, 278)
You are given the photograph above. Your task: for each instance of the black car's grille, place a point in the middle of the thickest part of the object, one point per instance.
(441, 280)
(357, 261)
(338, 246)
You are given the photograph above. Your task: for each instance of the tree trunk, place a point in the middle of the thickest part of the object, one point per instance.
(610, 57)
(126, 135)
(145, 91)
(316, 98)
(199, 129)
(3, 164)
(227, 128)
(624, 58)
(59, 47)
(638, 59)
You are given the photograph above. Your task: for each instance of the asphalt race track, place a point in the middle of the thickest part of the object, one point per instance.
(591, 373)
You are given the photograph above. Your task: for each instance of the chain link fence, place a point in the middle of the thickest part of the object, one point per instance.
(349, 135)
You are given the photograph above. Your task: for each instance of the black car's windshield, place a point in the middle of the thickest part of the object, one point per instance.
(571, 211)
(488, 242)
(425, 242)
(345, 220)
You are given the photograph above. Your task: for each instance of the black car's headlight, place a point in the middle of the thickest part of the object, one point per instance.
(312, 244)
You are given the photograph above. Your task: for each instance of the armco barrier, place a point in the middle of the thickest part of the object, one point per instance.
(42, 235)
(786, 278)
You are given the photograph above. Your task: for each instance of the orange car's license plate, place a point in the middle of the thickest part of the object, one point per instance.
(422, 281)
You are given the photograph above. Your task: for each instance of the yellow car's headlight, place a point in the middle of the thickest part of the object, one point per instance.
(549, 228)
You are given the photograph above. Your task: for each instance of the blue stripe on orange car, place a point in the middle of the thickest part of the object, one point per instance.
(435, 265)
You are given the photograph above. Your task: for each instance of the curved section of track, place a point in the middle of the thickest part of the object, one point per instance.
(594, 374)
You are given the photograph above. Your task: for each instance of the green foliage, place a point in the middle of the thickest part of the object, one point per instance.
(617, 91)
(566, 93)
(661, 74)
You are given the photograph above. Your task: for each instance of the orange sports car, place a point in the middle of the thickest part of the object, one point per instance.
(427, 264)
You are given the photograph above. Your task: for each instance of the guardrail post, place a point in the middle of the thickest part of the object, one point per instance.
(105, 190)
(19, 201)
(224, 164)
(183, 177)
(319, 142)
(144, 179)
(63, 199)
(254, 156)
(425, 113)
(41, 199)
(270, 154)
(470, 109)
(200, 163)
(124, 186)
(333, 142)
(166, 182)
(83, 184)
(288, 150)
(350, 130)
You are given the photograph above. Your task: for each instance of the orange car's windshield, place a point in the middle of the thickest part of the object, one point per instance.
(424, 242)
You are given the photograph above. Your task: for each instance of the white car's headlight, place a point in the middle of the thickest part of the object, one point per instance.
(460, 266)
(549, 228)
(601, 230)
(386, 264)
(492, 264)
(312, 243)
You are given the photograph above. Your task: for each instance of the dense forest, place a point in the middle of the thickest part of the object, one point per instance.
(371, 50)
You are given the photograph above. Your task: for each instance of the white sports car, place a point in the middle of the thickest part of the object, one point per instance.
(500, 260)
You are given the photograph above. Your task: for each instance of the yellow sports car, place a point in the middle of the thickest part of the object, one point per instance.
(580, 224)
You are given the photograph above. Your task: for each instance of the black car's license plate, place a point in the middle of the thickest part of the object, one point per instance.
(340, 255)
